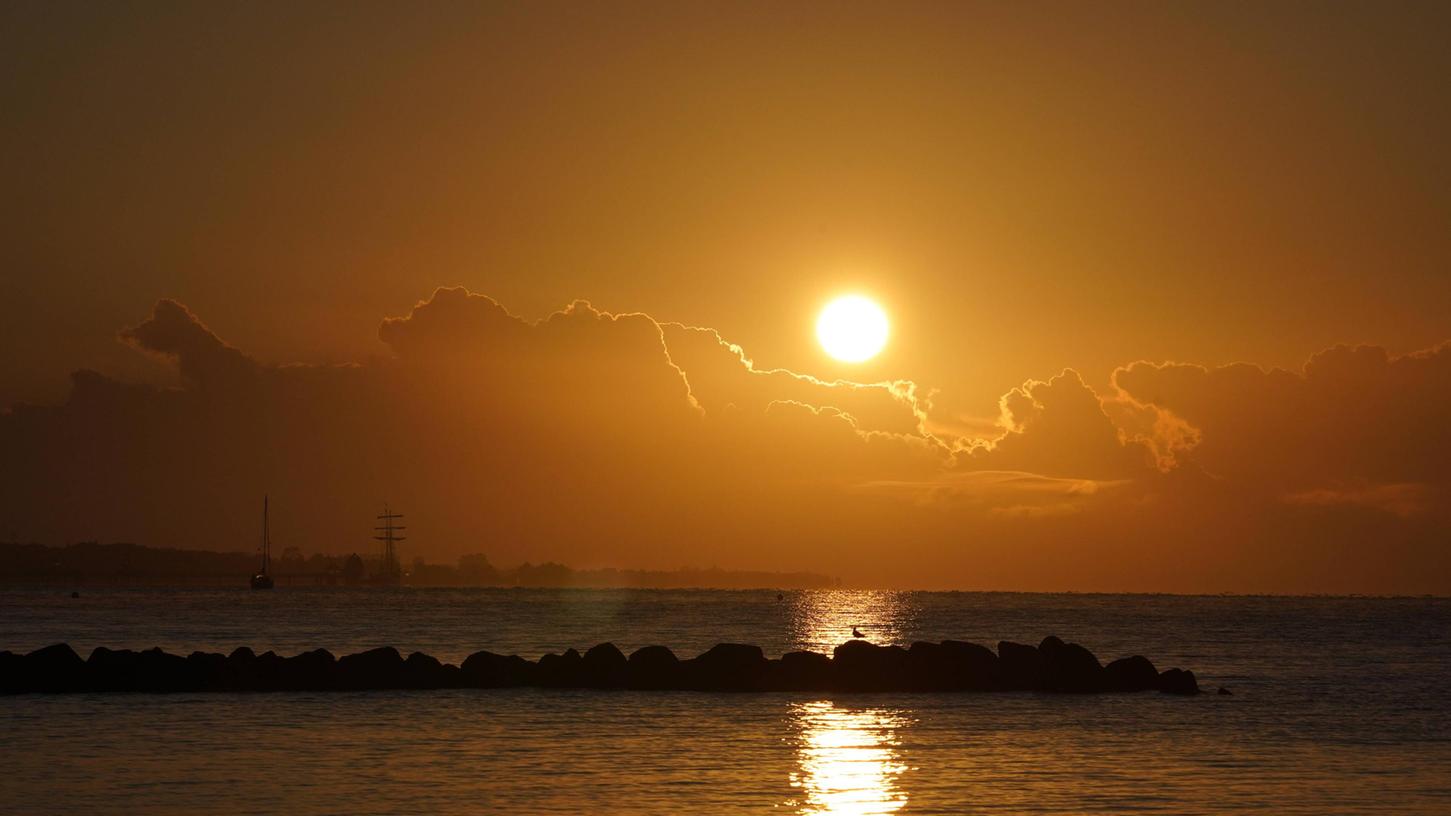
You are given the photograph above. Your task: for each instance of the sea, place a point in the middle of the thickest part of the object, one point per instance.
(1337, 705)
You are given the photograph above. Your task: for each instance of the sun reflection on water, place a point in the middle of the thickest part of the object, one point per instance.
(821, 621)
(848, 759)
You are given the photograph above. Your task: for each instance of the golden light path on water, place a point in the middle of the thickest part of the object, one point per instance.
(821, 621)
(848, 759)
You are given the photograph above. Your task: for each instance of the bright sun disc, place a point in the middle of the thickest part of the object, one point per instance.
(852, 329)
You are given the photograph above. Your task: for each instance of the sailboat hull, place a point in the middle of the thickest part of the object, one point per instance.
(261, 581)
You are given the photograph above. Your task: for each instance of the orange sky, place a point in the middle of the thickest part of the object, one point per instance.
(1024, 187)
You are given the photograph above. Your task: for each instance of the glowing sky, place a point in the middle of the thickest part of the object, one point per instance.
(1158, 190)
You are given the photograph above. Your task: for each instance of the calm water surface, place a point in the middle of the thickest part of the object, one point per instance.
(1339, 706)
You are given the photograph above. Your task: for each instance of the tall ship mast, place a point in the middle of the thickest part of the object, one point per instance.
(263, 578)
(390, 573)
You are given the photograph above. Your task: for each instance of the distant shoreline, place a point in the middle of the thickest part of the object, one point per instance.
(92, 564)
(132, 566)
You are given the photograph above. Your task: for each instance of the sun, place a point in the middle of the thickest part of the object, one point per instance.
(852, 328)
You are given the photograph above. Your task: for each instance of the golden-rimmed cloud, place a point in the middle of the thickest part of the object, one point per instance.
(602, 438)
(1352, 415)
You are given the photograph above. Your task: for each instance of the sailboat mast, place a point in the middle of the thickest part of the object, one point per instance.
(266, 537)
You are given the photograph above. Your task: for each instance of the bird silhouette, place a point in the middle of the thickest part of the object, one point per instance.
(855, 633)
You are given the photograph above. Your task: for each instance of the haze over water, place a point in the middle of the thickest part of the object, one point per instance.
(1337, 707)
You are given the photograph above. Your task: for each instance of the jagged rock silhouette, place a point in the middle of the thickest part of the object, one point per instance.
(855, 666)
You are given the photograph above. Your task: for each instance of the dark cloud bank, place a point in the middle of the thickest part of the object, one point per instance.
(601, 439)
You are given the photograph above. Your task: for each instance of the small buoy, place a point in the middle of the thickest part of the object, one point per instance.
(75, 594)
(780, 597)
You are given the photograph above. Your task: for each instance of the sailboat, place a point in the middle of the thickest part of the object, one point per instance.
(263, 578)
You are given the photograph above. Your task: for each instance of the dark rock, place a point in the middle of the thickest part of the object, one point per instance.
(973, 657)
(10, 664)
(653, 657)
(727, 667)
(653, 667)
(380, 668)
(158, 671)
(861, 666)
(209, 670)
(1020, 667)
(952, 665)
(739, 655)
(1135, 673)
(241, 670)
(1224, 692)
(316, 670)
(153, 671)
(1051, 645)
(489, 670)
(559, 671)
(269, 673)
(112, 669)
(1072, 668)
(926, 667)
(1178, 681)
(52, 669)
(800, 671)
(857, 665)
(603, 666)
(424, 671)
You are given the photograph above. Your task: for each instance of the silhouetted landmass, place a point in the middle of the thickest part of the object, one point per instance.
(91, 563)
(856, 666)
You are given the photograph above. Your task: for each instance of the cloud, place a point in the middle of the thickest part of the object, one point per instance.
(999, 492)
(613, 439)
(1058, 428)
(202, 358)
(454, 322)
(1404, 500)
(577, 362)
(1351, 414)
(571, 437)
(722, 377)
